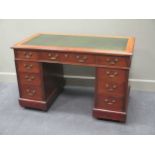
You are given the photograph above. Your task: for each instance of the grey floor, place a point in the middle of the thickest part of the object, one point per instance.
(71, 114)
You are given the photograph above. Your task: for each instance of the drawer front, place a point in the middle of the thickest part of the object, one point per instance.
(115, 61)
(31, 92)
(30, 78)
(27, 55)
(51, 56)
(110, 103)
(111, 88)
(111, 81)
(83, 59)
(67, 58)
(28, 66)
(113, 75)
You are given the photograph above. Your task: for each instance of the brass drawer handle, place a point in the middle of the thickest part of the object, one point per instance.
(28, 66)
(106, 100)
(53, 56)
(116, 59)
(29, 78)
(113, 101)
(66, 55)
(28, 54)
(112, 61)
(111, 87)
(82, 59)
(31, 92)
(109, 101)
(112, 74)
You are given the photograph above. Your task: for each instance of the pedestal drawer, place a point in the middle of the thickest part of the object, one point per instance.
(110, 103)
(111, 81)
(28, 66)
(32, 92)
(111, 88)
(30, 79)
(113, 75)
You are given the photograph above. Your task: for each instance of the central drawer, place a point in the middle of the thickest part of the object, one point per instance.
(77, 58)
(83, 59)
(51, 56)
(68, 57)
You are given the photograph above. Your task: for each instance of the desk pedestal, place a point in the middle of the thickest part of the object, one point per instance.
(111, 94)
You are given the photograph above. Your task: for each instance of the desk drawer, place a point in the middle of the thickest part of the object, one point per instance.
(28, 66)
(115, 61)
(77, 58)
(111, 88)
(27, 55)
(111, 81)
(83, 59)
(51, 56)
(113, 75)
(110, 103)
(31, 92)
(30, 78)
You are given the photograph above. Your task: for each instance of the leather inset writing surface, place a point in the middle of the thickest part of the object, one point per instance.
(102, 43)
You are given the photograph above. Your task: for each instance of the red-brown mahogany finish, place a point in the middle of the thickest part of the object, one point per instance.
(40, 77)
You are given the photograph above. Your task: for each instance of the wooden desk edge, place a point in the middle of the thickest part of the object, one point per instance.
(127, 52)
(130, 45)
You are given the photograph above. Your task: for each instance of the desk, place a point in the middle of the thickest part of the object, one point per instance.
(39, 64)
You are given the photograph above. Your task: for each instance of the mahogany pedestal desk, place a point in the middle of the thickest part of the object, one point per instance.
(39, 64)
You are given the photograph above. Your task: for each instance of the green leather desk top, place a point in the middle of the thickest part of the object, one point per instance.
(100, 43)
